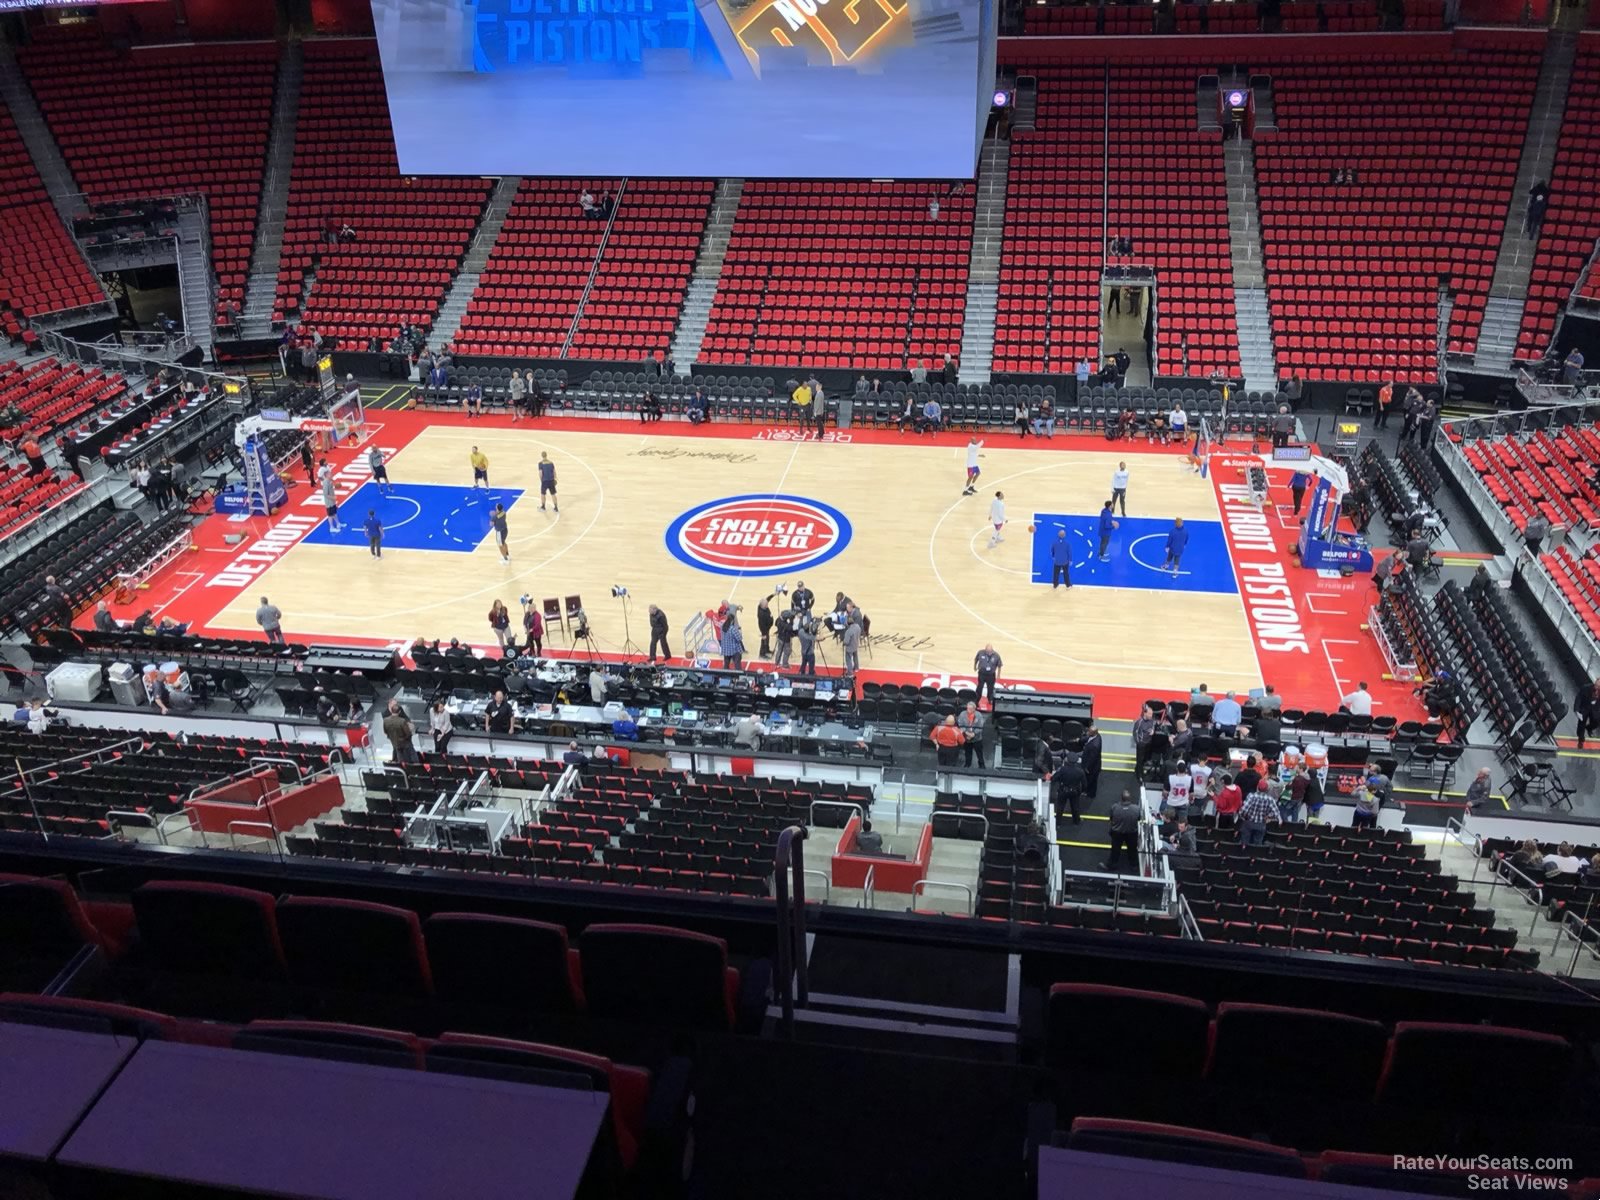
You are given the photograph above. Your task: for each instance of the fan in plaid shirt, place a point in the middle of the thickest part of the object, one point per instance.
(1259, 809)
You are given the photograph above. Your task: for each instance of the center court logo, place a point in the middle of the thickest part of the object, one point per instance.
(758, 535)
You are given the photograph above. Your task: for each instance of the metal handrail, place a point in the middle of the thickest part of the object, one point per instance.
(793, 983)
(869, 888)
(923, 884)
(54, 768)
(1534, 895)
(189, 816)
(268, 761)
(1187, 922)
(147, 818)
(1457, 832)
(234, 826)
(1574, 926)
(827, 884)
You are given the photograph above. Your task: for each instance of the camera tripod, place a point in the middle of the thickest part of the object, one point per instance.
(629, 646)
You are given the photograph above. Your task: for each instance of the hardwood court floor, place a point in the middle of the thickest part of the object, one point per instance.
(918, 562)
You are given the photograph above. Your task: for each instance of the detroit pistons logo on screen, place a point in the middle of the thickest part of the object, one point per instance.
(758, 535)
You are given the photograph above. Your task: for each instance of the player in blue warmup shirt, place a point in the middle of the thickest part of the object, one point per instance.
(374, 528)
(1177, 539)
(1060, 561)
(1107, 524)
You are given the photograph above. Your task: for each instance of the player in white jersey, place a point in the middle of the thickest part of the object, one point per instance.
(997, 517)
(973, 446)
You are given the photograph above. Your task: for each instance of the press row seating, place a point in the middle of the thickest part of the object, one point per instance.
(41, 269)
(1571, 224)
(164, 121)
(412, 232)
(1435, 171)
(851, 275)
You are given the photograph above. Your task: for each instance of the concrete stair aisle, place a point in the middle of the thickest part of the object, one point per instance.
(36, 135)
(691, 331)
(983, 275)
(262, 284)
(196, 284)
(1256, 356)
(1497, 337)
(454, 308)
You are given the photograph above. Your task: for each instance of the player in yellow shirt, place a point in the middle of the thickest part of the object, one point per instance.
(480, 468)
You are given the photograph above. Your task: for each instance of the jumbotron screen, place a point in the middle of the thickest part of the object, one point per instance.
(830, 89)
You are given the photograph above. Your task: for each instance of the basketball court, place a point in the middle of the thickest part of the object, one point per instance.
(686, 517)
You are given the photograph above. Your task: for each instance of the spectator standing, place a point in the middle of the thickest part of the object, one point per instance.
(499, 622)
(805, 632)
(532, 627)
(1067, 786)
(819, 408)
(851, 637)
(1258, 811)
(517, 387)
(1534, 533)
(60, 603)
(397, 727)
(1426, 417)
(1144, 729)
(971, 723)
(1282, 426)
(1538, 203)
(1586, 707)
(1091, 758)
(1124, 831)
(1385, 403)
(732, 645)
(658, 633)
(947, 741)
(987, 664)
(270, 618)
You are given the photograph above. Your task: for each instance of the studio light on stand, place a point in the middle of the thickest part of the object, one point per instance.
(629, 646)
